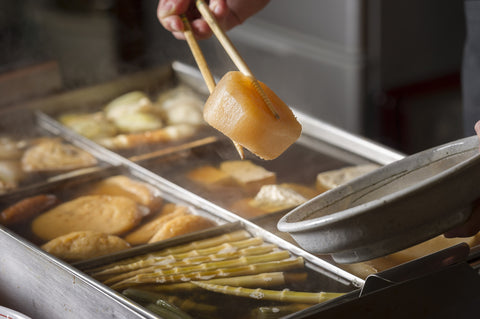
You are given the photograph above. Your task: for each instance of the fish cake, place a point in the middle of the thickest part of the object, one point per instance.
(145, 232)
(81, 245)
(181, 225)
(112, 215)
(121, 185)
(53, 155)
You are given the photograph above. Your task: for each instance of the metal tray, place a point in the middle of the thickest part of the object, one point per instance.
(323, 276)
(325, 146)
(70, 289)
(72, 294)
(93, 99)
(332, 139)
(21, 125)
(70, 188)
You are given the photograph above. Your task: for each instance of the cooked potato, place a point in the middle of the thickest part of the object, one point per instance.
(128, 103)
(92, 126)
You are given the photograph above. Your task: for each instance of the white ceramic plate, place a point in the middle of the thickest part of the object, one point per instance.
(11, 314)
(392, 208)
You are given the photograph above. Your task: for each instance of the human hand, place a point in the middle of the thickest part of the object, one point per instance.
(472, 225)
(228, 13)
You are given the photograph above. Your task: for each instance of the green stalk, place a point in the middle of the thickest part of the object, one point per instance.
(262, 280)
(166, 303)
(157, 258)
(166, 313)
(199, 244)
(192, 306)
(275, 295)
(277, 311)
(241, 261)
(256, 250)
(282, 265)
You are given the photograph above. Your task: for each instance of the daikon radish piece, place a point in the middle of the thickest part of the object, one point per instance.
(236, 109)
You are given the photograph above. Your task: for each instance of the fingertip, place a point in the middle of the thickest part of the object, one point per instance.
(201, 29)
(164, 9)
(218, 7)
(477, 128)
(173, 24)
(179, 35)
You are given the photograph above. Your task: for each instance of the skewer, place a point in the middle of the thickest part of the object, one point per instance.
(203, 66)
(173, 149)
(232, 52)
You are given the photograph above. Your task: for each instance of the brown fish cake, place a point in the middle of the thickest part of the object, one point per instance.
(83, 245)
(112, 215)
(181, 225)
(144, 233)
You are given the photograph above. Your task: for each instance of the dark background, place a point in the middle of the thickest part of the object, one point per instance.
(403, 57)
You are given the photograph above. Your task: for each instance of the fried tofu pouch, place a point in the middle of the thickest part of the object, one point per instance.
(145, 232)
(249, 175)
(112, 215)
(181, 225)
(81, 245)
(236, 109)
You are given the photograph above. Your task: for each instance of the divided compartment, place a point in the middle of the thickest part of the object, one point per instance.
(31, 155)
(153, 83)
(78, 187)
(199, 170)
(320, 148)
(309, 275)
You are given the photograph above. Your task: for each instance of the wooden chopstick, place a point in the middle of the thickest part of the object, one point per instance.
(197, 54)
(203, 66)
(232, 52)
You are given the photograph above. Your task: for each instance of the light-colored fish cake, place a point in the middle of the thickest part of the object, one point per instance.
(83, 245)
(112, 215)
